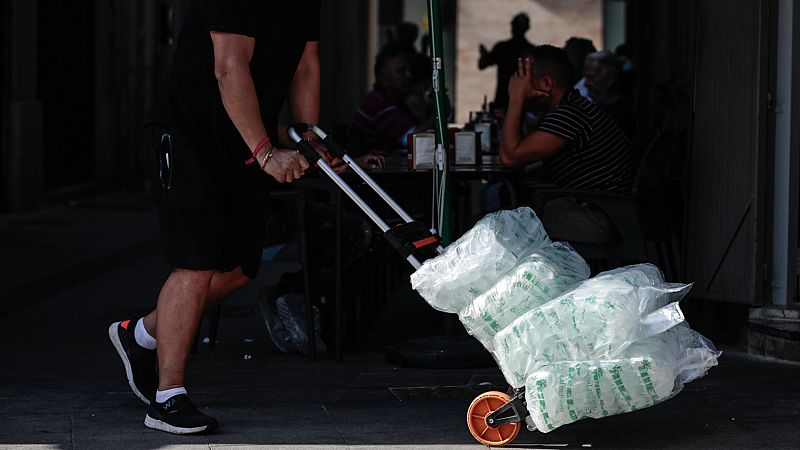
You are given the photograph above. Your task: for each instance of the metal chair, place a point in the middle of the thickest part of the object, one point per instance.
(621, 209)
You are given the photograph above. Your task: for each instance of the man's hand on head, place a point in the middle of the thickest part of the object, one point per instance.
(521, 86)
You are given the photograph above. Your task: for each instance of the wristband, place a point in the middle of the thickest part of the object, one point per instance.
(261, 144)
(267, 157)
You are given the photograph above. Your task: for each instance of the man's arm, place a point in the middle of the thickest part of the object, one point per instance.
(514, 150)
(304, 91)
(487, 57)
(535, 147)
(304, 100)
(232, 54)
(518, 151)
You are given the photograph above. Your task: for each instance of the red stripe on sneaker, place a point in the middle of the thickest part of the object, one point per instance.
(125, 324)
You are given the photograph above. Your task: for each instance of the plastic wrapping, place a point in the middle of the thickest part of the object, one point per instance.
(580, 347)
(646, 373)
(596, 320)
(473, 263)
(538, 278)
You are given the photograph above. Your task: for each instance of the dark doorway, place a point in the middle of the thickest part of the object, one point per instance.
(66, 90)
(5, 98)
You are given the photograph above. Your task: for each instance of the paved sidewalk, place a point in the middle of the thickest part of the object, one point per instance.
(62, 386)
(61, 246)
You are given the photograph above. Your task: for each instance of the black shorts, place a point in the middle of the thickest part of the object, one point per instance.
(207, 220)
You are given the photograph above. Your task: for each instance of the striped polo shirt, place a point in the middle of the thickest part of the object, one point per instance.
(597, 155)
(382, 123)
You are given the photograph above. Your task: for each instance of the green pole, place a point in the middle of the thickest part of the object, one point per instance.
(442, 221)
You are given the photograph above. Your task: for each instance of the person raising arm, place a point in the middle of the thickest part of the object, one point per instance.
(515, 150)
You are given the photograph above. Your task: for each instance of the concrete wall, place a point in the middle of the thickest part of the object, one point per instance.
(488, 21)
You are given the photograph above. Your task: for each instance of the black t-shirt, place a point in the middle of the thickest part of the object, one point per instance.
(505, 54)
(189, 101)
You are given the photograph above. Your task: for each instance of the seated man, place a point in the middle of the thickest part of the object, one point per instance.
(577, 49)
(580, 146)
(383, 120)
(603, 81)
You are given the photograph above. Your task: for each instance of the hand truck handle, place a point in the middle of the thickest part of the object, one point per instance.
(303, 146)
(403, 238)
(340, 152)
(329, 141)
(312, 156)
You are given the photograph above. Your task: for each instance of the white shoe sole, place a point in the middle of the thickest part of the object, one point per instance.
(156, 424)
(112, 334)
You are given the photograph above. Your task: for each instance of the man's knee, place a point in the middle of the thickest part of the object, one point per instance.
(237, 282)
(197, 278)
(239, 279)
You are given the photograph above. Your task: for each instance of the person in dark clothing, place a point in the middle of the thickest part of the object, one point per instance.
(624, 53)
(505, 54)
(217, 150)
(406, 35)
(417, 98)
(580, 146)
(577, 48)
(383, 119)
(603, 81)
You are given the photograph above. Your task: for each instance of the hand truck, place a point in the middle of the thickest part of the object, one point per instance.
(494, 418)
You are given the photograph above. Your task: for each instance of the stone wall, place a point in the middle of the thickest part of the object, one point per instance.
(488, 22)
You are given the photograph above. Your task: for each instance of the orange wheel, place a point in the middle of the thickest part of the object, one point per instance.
(479, 409)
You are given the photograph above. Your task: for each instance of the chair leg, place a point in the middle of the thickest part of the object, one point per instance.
(380, 279)
(197, 337)
(670, 257)
(674, 246)
(212, 334)
(310, 333)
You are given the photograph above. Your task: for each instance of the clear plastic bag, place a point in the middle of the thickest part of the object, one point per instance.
(597, 319)
(646, 373)
(581, 348)
(538, 278)
(473, 263)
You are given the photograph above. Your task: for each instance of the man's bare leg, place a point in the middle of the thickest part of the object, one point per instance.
(223, 284)
(180, 304)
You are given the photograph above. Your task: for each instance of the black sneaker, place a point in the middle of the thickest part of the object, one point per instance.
(140, 363)
(178, 415)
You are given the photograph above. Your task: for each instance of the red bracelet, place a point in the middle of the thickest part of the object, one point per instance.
(260, 145)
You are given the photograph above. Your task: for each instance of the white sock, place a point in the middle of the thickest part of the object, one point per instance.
(142, 337)
(162, 396)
